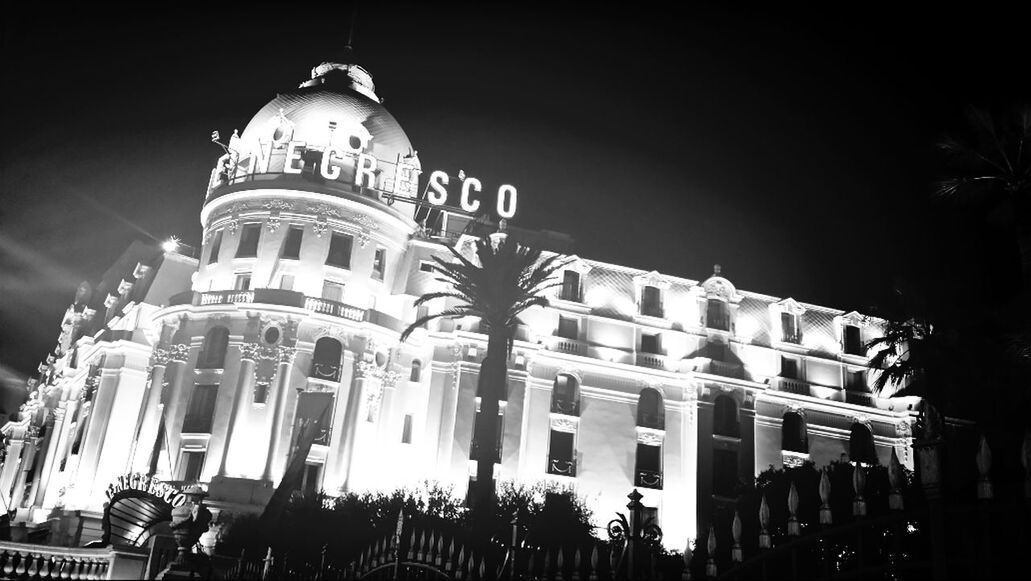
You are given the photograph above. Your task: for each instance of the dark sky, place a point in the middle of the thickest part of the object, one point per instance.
(794, 148)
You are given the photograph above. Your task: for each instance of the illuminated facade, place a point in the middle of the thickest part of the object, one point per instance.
(206, 367)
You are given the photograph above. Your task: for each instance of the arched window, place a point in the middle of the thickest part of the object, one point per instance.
(650, 413)
(860, 445)
(416, 374)
(213, 351)
(325, 362)
(724, 417)
(793, 437)
(565, 395)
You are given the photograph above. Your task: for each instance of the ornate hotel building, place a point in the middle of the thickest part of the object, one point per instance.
(205, 366)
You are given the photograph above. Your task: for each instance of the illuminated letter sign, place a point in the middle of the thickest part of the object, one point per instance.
(506, 201)
(470, 184)
(365, 169)
(292, 155)
(330, 172)
(438, 194)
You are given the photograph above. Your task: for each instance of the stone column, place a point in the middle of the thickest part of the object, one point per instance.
(151, 404)
(11, 465)
(352, 422)
(279, 411)
(248, 355)
(56, 435)
(746, 450)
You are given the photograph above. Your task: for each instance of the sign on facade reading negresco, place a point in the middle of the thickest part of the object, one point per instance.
(368, 170)
(149, 485)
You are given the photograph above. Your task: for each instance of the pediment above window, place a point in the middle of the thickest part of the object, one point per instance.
(654, 279)
(855, 319)
(578, 264)
(790, 305)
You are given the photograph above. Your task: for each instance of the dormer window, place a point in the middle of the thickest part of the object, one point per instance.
(651, 301)
(852, 337)
(789, 328)
(716, 315)
(570, 286)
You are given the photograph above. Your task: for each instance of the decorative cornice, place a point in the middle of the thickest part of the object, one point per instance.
(563, 423)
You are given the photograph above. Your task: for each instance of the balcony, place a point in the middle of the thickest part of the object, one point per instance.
(789, 385)
(860, 398)
(648, 479)
(651, 360)
(722, 368)
(570, 346)
(289, 299)
(561, 467)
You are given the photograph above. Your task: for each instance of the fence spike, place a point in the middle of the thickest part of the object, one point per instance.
(710, 564)
(736, 552)
(547, 563)
(438, 560)
(481, 567)
(764, 524)
(793, 527)
(593, 570)
(1025, 460)
(858, 486)
(895, 482)
(826, 518)
(984, 468)
(688, 557)
(531, 564)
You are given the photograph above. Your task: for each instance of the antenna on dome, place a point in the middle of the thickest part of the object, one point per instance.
(349, 45)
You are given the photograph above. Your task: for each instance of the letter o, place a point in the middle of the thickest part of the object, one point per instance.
(507, 201)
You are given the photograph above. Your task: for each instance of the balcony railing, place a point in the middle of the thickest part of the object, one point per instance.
(648, 479)
(793, 338)
(718, 322)
(19, 560)
(651, 360)
(571, 347)
(859, 398)
(565, 406)
(795, 386)
(334, 309)
(723, 368)
(562, 467)
(327, 371)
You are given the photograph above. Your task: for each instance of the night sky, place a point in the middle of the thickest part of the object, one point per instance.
(793, 148)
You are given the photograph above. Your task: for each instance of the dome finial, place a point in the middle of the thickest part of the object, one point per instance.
(716, 268)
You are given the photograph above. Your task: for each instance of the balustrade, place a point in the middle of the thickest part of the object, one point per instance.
(18, 560)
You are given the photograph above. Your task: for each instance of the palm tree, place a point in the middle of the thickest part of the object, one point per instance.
(991, 171)
(509, 279)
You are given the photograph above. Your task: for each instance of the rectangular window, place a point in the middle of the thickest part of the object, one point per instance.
(379, 263)
(716, 315)
(339, 251)
(192, 462)
(216, 247)
(201, 409)
(333, 291)
(853, 340)
(568, 327)
(789, 328)
(474, 450)
(724, 473)
(649, 466)
(406, 430)
(789, 367)
(561, 453)
(315, 411)
(286, 282)
(242, 282)
(260, 392)
(651, 301)
(292, 244)
(310, 479)
(426, 266)
(650, 343)
(570, 286)
(249, 241)
(855, 381)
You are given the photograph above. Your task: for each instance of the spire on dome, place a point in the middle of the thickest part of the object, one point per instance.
(346, 73)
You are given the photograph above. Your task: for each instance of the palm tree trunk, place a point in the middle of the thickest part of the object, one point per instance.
(490, 386)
